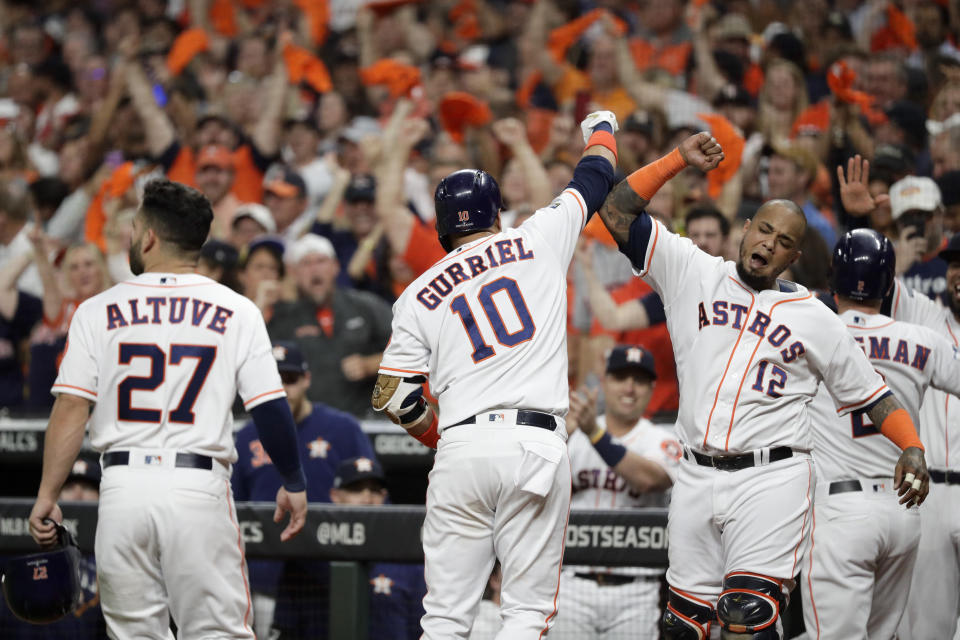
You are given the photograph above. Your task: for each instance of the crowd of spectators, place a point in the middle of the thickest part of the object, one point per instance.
(318, 129)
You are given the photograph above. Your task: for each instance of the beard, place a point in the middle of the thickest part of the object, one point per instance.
(757, 282)
(135, 258)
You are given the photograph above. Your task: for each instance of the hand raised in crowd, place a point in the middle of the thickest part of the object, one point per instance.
(909, 248)
(412, 131)
(341, 176)
(583, 411)
(701, 150)
(854, 188)
(267, 294)
(510, 132)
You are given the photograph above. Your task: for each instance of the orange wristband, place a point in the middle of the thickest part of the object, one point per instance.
(431, 436)
(899, 429)
(646, 181)
(604, 139)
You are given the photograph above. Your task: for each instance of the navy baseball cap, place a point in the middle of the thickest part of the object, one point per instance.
(627, 356)
(220, 253)
(362, 188)
(951, 253)
(289, 357)
(354, 470)
(85, 469)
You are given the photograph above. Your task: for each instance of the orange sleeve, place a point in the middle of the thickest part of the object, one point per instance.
(423, 249)
(899, 429)
(248, 179)
(184, 168)
(96, 218)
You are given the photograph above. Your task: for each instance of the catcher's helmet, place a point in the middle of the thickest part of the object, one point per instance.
(43, 587)
(466, 200)
(863, 265)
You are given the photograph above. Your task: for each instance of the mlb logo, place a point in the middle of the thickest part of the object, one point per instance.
(634, 355)
(496, 417)
(153, 459)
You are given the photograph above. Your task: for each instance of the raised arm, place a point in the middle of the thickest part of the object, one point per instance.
(52, 296)
(396, 218)
(613, 316)
(512, 134)
(158, 127)
(266, 131)
(629, 197)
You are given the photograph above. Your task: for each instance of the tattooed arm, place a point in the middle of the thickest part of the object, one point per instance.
(910, 475)
(628, 198)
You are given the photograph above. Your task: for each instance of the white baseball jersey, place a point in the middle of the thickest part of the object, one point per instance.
(940, 411)
(597, 486)
(495, 309)
(910, 358)
(748, 362)
(144, 351)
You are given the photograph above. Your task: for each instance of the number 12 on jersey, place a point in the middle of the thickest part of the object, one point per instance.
(482, 350)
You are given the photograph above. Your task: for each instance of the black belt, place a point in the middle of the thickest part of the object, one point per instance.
(944, 477)
(188, 460)
(845, 486)
(612, 579)
(524, 417)
(735, 462)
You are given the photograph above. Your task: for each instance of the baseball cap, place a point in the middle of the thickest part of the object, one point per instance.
(891, 160)
(362, 187)
(732, 26)
(289, 357)
(273, 244)
(732, 94)
(85, 469)
(474, 57)
(307, 245)
(284, 182)
(913, 193)
(639, 121)
(949, 184)
(910, 118)
(354, 470)
(951, 253)
(359, 128)
(220, 253)
(215, 155)
(626, 356)
(258, 213)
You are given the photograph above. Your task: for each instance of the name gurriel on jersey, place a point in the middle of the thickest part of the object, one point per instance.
(440, 287)
(168, 310)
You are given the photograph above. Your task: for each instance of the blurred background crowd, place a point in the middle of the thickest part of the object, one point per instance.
(318, 129)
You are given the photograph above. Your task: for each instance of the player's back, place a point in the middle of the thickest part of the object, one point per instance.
(163, 355)
(903, 354)
(493, 313)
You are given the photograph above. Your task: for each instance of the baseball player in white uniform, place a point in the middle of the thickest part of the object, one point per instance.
(160, 359)
(487, 326)
(935, 590)
(750, 353)
(619, 460)
(863, 544)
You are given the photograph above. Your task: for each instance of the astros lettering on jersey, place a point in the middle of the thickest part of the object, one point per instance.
(745, 357)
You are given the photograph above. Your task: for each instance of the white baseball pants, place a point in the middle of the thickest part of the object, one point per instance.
(495, 492)
(168, 544)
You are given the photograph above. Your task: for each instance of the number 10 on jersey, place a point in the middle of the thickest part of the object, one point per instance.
(482, 350)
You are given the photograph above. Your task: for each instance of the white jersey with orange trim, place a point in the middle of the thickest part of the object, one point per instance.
(163, 356)
(940, 412)
(749, 362)
(910, 358)
(495, 309)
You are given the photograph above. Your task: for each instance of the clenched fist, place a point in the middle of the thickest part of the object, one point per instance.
(701, 150)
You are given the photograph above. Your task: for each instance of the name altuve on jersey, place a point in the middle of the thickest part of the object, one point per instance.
(440, 287)
(168, 310)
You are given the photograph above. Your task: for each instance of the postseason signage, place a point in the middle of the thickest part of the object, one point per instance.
(629, 537)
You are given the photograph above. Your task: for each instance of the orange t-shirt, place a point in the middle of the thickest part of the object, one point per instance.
(666, 393)
(573, 81)
(247, 180)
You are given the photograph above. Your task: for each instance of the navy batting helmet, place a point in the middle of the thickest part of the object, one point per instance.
(863, 265)
(466, 200)
(43, 587)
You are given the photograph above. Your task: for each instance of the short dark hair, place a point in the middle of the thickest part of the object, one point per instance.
(698, 213)
(178, 214)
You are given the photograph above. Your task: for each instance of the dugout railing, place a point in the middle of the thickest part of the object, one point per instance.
(351, 537)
